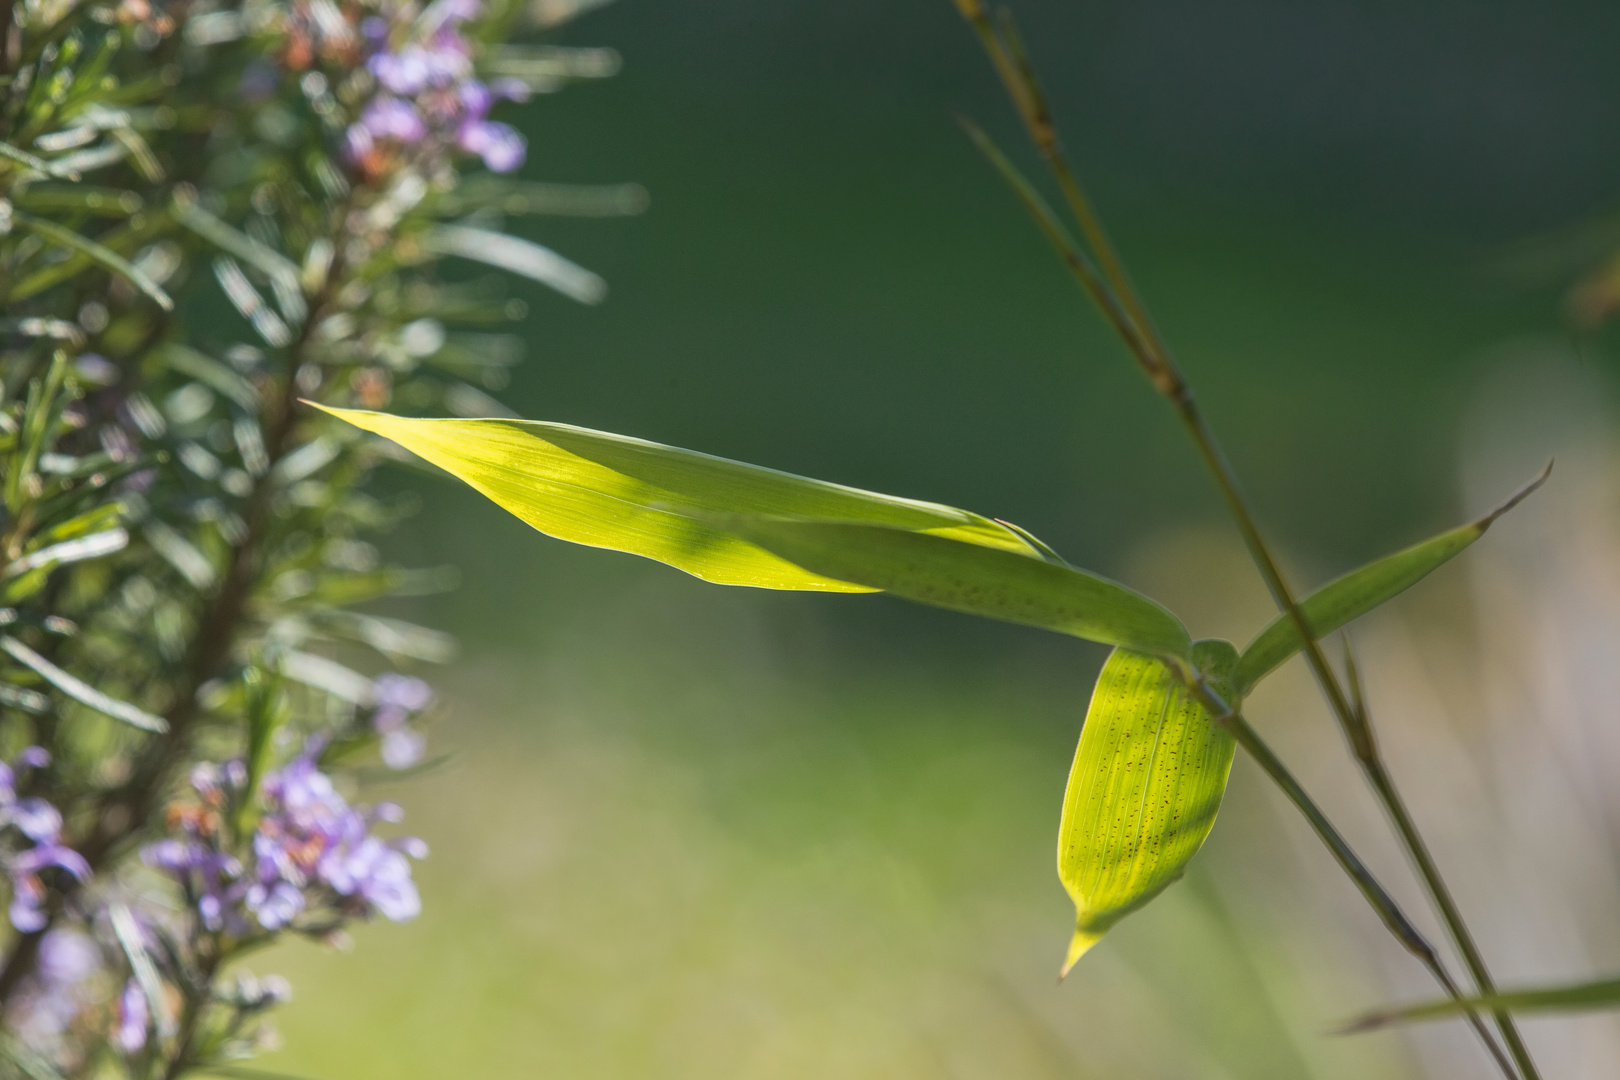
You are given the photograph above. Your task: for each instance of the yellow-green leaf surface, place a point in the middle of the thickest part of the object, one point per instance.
(1360, 591)
(1147, 780)
(990, 582)
(610, 491)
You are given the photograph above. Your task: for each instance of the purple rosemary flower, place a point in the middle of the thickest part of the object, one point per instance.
(311, 837)
(397, 699)
(39, 824)
(501, 147)
(56, 993)
(430, 100)
(129, 1030)
(311, 850)
(391, 118)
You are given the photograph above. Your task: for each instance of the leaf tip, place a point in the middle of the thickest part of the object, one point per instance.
(1079, 945)
(1517, 497)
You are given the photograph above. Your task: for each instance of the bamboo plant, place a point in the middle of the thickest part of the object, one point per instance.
(1166, 716)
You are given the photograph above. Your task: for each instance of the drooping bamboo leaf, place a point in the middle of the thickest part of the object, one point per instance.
(1360, 591)
(1600, 994)
(629, 495)
(990, 582)
(1147, 780)
(98, 253)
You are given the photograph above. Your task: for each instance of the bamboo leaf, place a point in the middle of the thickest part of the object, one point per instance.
(610, 491)
(1360, 591)
(1601, 994)
(97, 252)
(1147, 780)
(990, 582)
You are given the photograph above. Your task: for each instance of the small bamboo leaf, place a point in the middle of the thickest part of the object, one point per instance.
(97, 252)
(1147, 780)
(1601, 994)
(989, 582)
(1360, 591)
(609, 491)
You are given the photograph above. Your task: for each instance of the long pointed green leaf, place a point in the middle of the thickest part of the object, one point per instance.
(991, 582)
(1360, 591)
(1601, 994)
(1147, 780)
(657, 501)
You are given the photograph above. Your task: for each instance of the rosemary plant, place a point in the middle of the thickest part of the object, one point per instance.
(211, 211)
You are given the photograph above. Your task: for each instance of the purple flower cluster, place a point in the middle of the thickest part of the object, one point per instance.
(56, 993)
(38, 825)
(311, 850)
(131, 1019)
(427, 95)
(397, 698)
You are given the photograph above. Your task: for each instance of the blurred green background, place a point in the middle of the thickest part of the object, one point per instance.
(719, 833)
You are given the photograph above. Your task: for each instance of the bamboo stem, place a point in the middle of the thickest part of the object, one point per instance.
(1109, 286)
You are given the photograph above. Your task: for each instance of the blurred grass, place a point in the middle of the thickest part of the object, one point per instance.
(708, 833)
(688, 870)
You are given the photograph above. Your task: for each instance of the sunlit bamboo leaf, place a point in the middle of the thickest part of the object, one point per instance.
(1360, 591)
(98, 253)
(629, 495)
(990, 582)
(1600, 994)
(1147, 780)
(79, 690)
